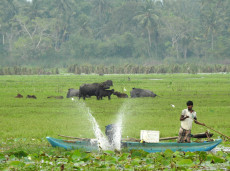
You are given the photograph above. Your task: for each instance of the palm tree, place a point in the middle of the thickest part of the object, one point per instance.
(210, 15)
(100, 8)
(63, 12)
(148, 19)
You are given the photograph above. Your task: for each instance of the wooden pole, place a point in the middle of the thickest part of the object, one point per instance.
(168, 138)
(200, 135)
(83, 139)
(218, 132)
(138, 140)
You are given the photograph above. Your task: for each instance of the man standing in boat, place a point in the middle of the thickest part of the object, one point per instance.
(187, 117)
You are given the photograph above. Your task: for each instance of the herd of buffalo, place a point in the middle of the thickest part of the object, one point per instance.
(99, 90)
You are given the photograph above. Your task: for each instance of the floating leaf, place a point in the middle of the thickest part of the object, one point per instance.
(228, 157)
(76, 155)
(216, 159)
(111, 159)
(109, 152)
(168, 153)
(12, 157)
(149, 161)
(135, 161)
(124, 157)
(202, 156)
(17, 164)
(166, 162)
(190, 155)
(159, 158)
(185, 162)
(113, 167)
(2, 157)
(20, 154)
(220, 153)
(78, 164)
(33, 156)
(102, 166)
(30, 167)
(209, 157)
(62, 160)
(177, 154)
(86, 158)
(138, 153)
(128, 166)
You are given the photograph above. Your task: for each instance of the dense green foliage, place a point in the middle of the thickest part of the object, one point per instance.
(109, 160)
(63, 32)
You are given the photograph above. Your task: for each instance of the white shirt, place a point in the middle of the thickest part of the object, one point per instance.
(187, 123)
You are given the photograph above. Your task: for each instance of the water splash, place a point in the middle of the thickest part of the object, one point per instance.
(119, 125)
(103, 142)
(101, 139)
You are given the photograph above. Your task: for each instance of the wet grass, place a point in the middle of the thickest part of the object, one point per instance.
(41, 117)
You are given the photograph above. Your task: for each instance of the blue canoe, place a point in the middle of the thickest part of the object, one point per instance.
(148, 147)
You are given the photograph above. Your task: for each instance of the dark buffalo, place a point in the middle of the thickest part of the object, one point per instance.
(120, 95)
(93, 89)
(55, 97)
(19, 96)
(108, 83)
(31, 96)
(137, 92)
(72, 92)
(104, 93)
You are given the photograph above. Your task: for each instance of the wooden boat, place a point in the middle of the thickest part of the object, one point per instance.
(91, 145)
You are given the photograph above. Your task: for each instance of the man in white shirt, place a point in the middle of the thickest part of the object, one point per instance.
(187, 117)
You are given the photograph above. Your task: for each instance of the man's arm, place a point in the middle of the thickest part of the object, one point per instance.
(182, 117)
(195, 120)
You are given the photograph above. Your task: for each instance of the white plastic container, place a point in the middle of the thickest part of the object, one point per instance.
(150, 136)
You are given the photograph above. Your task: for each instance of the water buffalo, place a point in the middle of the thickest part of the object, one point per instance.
(31, 96)
(120, 95)
(104, 93)
(19, 96)
(137, 92)
(108, 83)
(93, 89)
(72, 92)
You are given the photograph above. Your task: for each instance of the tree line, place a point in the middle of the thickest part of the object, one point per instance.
(62, 32)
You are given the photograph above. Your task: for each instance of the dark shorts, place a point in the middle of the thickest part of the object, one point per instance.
(184, 136)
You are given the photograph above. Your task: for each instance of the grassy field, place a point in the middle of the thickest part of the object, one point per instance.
(26, 122)
(41, 117)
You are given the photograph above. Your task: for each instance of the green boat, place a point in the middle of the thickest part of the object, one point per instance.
(90, 145)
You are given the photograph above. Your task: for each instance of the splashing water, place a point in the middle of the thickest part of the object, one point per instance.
(102, 141)
(117, 133)
(118, 126)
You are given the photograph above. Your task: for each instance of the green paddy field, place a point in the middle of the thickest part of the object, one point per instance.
(41, 117)
(26, 122)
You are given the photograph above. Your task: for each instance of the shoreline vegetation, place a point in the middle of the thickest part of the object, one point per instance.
(121, 69)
